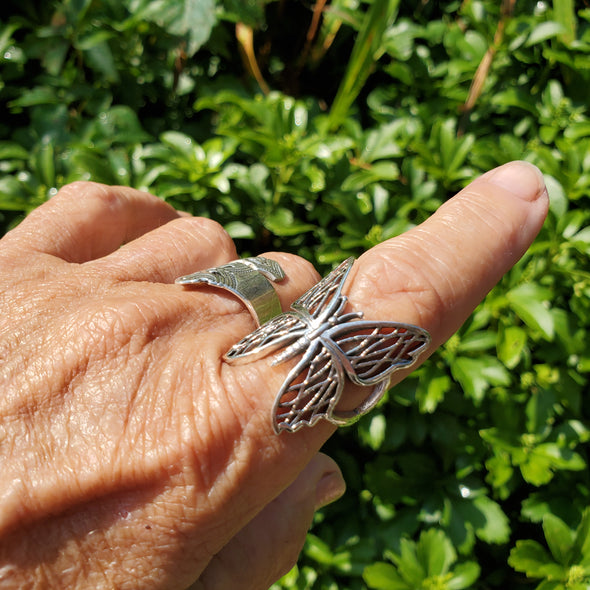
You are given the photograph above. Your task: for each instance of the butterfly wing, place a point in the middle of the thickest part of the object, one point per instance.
(324, 298)
(371, 351)
(368, 352)
(277, 333)
(310, 391)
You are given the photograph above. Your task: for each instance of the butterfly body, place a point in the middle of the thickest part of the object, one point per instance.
(312, 329)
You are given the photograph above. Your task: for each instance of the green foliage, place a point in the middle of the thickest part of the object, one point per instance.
(474, 471)
(425, 564)
(566, 564)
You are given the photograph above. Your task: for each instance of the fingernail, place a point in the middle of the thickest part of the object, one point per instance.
(520, 178)
(330, 487)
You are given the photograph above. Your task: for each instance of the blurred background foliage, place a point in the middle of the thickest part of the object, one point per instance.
(323, 128)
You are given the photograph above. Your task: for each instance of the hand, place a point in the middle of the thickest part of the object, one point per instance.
(132, 455)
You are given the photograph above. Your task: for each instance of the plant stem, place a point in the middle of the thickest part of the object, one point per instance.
(484, 66)
(366, 51)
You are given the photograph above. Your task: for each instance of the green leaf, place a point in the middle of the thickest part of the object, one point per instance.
(381, 144)
(565, 13)
(6, 36)
(496, 526)
(537, 470)
(464, 576)
(318, 550)
(477, 375)
(374, 434)
(100, 57)
(511, 345)
(384, 576)
(435, 552)
(559, 202)
(120, 125)
(539, 464)
(461, 150)
(581, 546)
(367, 48)
(281, 222)
(36, 96)
(89, 164)
(540, 410)
(563, 458)
(44, 164)
(96, 38)
(181, 142)
(12, 197)
(538, 504)
(77, 8)
(529, 557)
(545, 31)
(577, 130)
(409, 566)
(477, 341)
(238, 229)
(195, 19)
(559, 537)
(530, 302)
(192, 19)
(432, 388)
(55, 56)
(500, 471)
(375, 173)
(249, 13)
(11, 150)
(554, 585)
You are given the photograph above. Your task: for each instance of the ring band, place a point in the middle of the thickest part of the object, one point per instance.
(335, 346)
(249, 279)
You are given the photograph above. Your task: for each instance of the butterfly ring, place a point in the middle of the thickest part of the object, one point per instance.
(335, 346)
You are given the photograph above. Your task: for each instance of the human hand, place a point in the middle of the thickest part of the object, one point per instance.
(132, 455)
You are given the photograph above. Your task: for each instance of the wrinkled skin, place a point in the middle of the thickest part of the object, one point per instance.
(132, 455)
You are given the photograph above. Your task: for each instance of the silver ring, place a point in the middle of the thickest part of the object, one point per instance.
(334, 345)
(249, 279)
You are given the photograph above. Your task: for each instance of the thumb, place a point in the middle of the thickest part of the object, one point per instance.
(269, 545)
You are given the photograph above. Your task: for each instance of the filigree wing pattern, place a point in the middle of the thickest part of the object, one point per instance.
(310, 391)
(277, 333)
(368, 352)
(324, 297)
(371, 351)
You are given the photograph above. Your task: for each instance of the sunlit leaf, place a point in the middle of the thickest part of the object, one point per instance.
(544, 31)
(529, 557)
(530, 302)
(559, 537)
(383, 576)
(495, 527)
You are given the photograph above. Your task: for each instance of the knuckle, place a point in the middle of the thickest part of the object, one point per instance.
(82, 189)
(101, 198)
(210, 232)
(93, 197)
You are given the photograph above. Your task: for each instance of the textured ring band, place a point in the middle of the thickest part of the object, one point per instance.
(249, 279)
